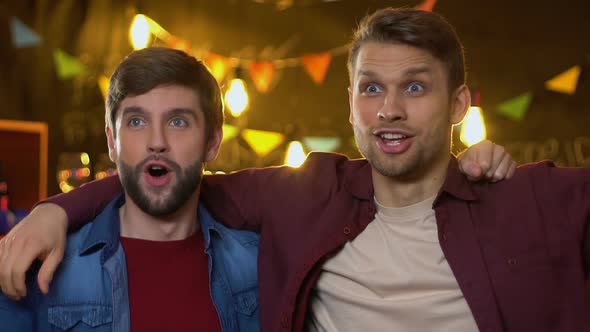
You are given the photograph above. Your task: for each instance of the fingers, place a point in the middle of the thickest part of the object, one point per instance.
(13, 267)
(48, 268)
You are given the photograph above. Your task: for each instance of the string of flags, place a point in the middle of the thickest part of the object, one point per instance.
(262, 74)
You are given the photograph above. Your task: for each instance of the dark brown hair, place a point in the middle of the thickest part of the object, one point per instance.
(143, 70)
(422, 29)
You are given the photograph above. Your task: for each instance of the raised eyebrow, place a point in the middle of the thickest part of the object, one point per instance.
(182, 111)
(132, 110)
(368, 73)
(418, 70)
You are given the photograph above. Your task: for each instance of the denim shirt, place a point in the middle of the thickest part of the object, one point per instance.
(89, 290)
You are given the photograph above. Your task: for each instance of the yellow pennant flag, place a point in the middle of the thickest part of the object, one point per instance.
(229, 132)
(262, 74)
(262, 142)
(103, 84)
(566, 82)
(317, 65)
(218, 65)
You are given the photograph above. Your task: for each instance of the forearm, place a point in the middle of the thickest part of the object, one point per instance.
(83, 204)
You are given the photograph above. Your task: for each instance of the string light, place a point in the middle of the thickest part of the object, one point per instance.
(473, 129)
(236, 97)
(139, 33)
(295, 154)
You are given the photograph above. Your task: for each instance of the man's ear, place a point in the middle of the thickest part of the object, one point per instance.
(111, 144)
(213, 144)
(350, 104)
(460, 104)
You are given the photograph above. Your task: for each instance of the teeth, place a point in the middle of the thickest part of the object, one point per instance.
(392, 136)
(157, 168)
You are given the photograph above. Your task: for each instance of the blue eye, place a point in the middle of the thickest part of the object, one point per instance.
(135, 122)
(178, 122)
(373, 88)
(415, 88)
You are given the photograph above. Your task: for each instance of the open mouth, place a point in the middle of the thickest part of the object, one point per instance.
(157, 170)
(392, 139)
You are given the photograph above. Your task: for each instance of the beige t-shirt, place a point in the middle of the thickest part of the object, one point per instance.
(392, 277)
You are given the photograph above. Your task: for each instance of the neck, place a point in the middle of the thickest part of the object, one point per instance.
(411, 188)
(135, 223)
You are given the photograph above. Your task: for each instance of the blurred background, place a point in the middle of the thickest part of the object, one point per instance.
(528, 63)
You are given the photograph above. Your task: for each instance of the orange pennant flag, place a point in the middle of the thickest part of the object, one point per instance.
(218, 65)
(178, 44)
(426, 5)
(262, 74)
(317, 65)
(566, 82)
(103, 84)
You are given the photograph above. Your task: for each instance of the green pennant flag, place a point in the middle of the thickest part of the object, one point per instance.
(66, 65)
(516, 107)
(229, 132)
(325, 144)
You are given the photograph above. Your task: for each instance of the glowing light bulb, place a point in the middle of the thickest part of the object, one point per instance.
(473, 129)
(139, 33)
(295, 154)
(236, 97)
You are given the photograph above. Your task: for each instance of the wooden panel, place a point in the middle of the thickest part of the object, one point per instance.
(23, 152)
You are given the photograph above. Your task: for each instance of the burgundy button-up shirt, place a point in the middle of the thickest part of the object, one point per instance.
(519, 249)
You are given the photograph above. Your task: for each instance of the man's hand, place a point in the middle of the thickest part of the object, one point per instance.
(42, 235)
(486, 161)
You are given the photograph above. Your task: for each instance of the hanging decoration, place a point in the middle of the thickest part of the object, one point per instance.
(317, 65)
(516, 107)
(323, 144)
(218, 65)
(426, 5)
(229, 132)
(66, 65)
(262, 142)
(262, 74)
(565, 82)
(103, 85)
(22, 35)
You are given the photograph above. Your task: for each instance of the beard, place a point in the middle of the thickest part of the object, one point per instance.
(187, 182)
(407, 165)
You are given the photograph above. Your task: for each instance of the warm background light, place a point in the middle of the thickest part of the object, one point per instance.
(473, 129)
(139, 33)
(236, 97)
(295, 154)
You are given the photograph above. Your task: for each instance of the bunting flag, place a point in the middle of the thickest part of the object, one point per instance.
(103, 85)
(316, 65)
(262, 74)
(218, 64)
(324, 144)
(566, 82)
(67, 66)
(262, 142)
(516, 107)
(22, 35)
(179, 44)
(229, 132)
(426, 5)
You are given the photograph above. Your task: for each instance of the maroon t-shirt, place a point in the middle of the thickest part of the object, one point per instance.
(169, 285)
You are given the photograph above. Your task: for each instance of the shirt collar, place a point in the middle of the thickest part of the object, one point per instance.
(104, 230)
(208, 225)
(359, 181)
(456, 183)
